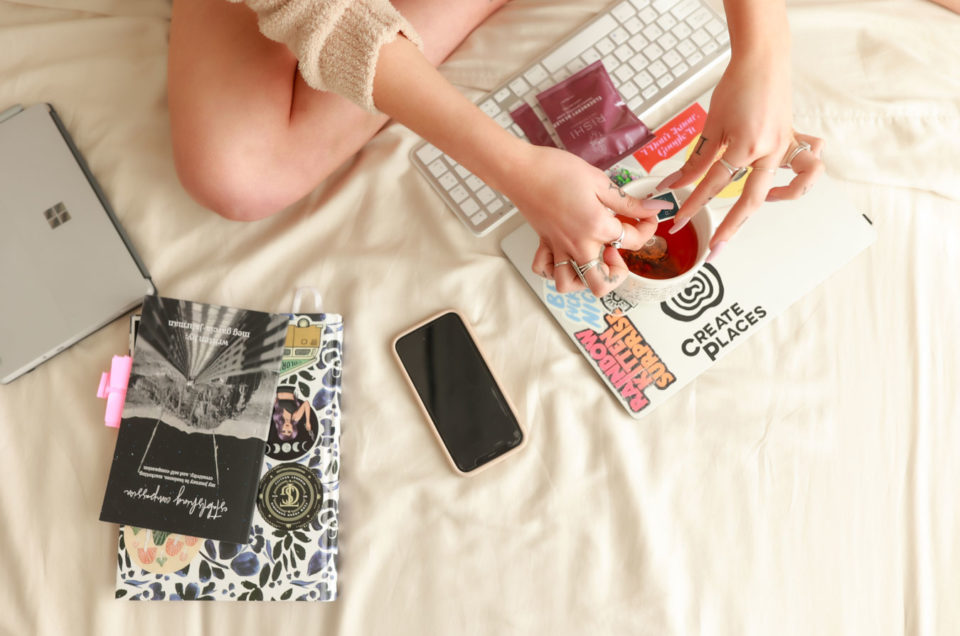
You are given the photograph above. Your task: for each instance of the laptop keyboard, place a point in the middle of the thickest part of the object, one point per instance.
(651, 49)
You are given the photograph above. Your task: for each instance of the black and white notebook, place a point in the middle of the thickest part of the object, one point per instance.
(197, 413)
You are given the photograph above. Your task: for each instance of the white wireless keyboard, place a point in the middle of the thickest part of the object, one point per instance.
(651, 49)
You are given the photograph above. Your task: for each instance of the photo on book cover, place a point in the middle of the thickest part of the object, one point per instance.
(196, 418)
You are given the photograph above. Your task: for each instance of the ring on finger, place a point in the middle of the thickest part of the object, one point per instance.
(735, 173)
(792, 154)
(617, 242)
(559, 263)
(583, 269)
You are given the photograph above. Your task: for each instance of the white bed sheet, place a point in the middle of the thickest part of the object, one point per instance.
(804, 485)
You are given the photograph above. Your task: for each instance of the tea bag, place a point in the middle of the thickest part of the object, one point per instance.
(591, 119)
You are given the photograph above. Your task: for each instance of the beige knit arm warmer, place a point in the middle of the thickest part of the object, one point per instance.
(336, 41)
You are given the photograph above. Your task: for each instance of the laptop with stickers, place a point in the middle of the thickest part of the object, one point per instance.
(646, 352)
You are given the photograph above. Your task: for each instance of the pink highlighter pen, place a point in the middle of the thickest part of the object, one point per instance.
(113, 387)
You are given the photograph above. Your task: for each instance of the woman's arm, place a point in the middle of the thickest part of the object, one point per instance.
(566, 200)
(750, 122)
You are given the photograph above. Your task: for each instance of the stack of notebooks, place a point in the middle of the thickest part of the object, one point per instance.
(226, 470)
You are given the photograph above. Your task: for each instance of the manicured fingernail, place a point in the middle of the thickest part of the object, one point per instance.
(715, 250)
(655, 204)
(678, 225)
(669, 180)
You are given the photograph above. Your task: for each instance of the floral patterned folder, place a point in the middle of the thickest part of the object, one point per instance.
(291, 553)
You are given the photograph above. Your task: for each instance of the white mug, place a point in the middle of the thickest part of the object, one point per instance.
(637, 289)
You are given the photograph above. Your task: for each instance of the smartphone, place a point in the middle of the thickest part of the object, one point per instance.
(458, 393)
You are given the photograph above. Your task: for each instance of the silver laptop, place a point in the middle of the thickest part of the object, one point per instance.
(66, 266)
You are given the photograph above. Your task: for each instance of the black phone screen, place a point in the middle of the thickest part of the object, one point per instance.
(458, 391)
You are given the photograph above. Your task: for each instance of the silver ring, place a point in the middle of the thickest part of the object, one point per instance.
(555, 265)
(617, 242)
(583, 269)
(735, 173)
(801, 146)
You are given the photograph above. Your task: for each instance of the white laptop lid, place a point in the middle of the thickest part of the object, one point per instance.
(785, 251)
(65, 267)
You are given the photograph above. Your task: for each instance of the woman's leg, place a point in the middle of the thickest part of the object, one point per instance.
(249, 136)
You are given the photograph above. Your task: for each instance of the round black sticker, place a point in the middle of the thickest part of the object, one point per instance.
(289, 497)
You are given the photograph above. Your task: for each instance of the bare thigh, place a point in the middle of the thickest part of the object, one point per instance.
(249, 136)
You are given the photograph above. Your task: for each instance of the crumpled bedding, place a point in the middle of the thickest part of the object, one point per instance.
(803, 485)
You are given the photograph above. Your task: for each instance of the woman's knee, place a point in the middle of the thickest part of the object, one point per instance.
(237, 180)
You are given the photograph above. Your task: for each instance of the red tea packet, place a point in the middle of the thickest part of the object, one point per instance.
(532, 127)
(591, 119)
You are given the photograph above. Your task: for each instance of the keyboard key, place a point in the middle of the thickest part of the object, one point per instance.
(502, 94)
(657, 68)
(579, 43)
(628, 89)
(643, 79)
(637, 42)
(459, 193)
(652, 32)
(635, 103)
(490, 108)
(438, 167)
(448, 181)
(575, 66)
(686, 48)
(474, 182)
(536, 75)
(665, 80)
(633, 25)
(486, 195)
(639, 62)
(724, 37)
(469, 207)
(667, 22)
(463, 172)
(685, 8)
(516, 130)
(428, 153)
(611, 63)
(624, 73)
(623, 53)
(503, 119)
(494, 205)
(714, 27)
(682, 31)
(623, 11)
(710, 47)
(699, 18)
(680, 69)
(478, 218)
(590, 56)
(605, 46)
(667, 41)
(619, 35)
(650, 91)
(694, 59)
(672, 58)
(700, 37)
(519, 86)
(653, 52)
(662, 6)
(648, 15)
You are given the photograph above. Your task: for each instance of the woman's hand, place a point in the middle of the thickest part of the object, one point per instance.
(571, 206)
(750, 124)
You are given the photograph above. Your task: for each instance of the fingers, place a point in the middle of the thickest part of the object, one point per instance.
(808, 168)
(716, 179)
(601, 274)
(754, 194)
(543, 261)
(704, 154)
(623, 204)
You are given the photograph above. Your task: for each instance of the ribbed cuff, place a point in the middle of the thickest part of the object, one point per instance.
(354, 45)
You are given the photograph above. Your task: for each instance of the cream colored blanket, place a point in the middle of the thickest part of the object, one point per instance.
(806, 484)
